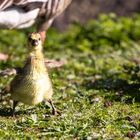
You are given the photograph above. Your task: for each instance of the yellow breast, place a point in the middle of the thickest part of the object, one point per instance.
(33, 85)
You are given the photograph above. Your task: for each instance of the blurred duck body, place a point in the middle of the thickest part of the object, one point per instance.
(24, 13)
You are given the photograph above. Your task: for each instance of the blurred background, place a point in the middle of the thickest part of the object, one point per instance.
(83, 10)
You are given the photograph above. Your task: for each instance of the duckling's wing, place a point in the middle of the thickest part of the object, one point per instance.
(16, 82)
(19, 70)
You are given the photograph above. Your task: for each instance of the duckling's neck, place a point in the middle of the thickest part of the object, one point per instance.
(35, 62)
(37, 54)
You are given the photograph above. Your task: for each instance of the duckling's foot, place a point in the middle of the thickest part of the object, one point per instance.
(56, 112)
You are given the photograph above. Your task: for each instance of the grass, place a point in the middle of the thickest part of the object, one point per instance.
(97, 90)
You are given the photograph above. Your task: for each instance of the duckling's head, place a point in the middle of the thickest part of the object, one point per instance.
(35, 42)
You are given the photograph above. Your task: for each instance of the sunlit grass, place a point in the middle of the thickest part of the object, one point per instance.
(97, 90)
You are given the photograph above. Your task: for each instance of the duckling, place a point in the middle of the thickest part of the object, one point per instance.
(32, 84)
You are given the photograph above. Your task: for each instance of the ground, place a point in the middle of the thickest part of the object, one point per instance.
(97, 90)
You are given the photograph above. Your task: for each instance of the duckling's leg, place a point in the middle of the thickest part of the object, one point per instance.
(14, 106)
(54, 110)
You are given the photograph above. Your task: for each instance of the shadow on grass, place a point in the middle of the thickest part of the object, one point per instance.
(7, 112)
(119, 87)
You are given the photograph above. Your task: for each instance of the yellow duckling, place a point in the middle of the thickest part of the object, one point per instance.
(32, 84)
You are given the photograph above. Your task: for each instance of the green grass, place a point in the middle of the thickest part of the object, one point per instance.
(97, 90)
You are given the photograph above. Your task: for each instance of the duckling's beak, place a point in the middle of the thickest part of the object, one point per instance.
(34, 42)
